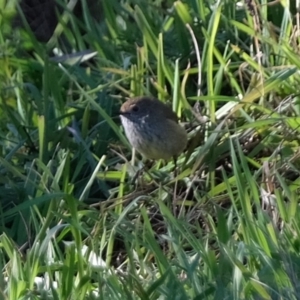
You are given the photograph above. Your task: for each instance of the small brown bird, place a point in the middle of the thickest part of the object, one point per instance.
(152, 128)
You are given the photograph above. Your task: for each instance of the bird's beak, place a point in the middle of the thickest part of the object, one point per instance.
(123, 113)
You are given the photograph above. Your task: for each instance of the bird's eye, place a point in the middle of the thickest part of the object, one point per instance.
(135, 108)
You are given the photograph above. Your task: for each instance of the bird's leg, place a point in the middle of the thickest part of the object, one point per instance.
(175, 186)
(175, 164)
(145, 168)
